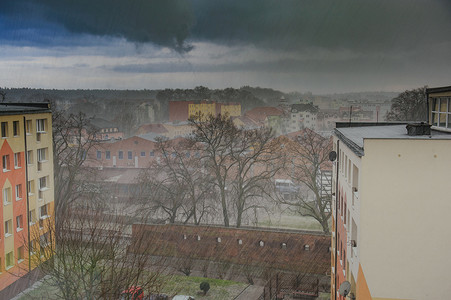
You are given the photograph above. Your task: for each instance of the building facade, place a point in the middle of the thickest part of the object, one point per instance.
(390, 202)
(26, 182)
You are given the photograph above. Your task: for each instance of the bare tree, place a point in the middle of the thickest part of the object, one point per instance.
(410, 105)
(89, 257)
(309, 163)
(256, 160)
(214, 136)
(73, 138)
(177, 184)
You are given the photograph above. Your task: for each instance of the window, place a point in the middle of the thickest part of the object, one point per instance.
(33, 246)
(9, 260)
(43, 212)
(218, 239)
(307, 247)
(99, 154)
(40, 125)
(261, 243)
(18, 192)
(5, 163)
(19, 223)
(441, 112)
(121, 155)
(28, 125)
(17, 161)
(43, 183)
(42, 154)
(107, 154)
(30, 157)
(198, 237)
(143, 153)
(283, 245)
(32, 217)
(44, 241)
(30, 187)
(8, 228)
(240, 242)
(20, 254)
(151, 153)
(4, 129)
(16, 131)
(6, 196)
(129, 154)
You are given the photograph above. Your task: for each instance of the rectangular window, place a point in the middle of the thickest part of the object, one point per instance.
(32, 216)
(30, 157)
(18, 192)
(28, 125)
(43, 213)
(20, 254)
(42, 154)
(30, 187)
(43, 183)
(143, 153)
(130, 154)
(40, 125)
(17, 161)
(99, 154)
(9, 260)
(16, 131)
(5, 163)
(121, 155)
(107, 154)
(19, 223)
(6, 196)
(151, 153)
(8, 228)
(33, 247)
(4, 129)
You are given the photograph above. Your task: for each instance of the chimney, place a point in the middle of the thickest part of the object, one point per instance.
(418, 129)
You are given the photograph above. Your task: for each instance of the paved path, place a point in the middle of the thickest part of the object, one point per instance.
(252, 292)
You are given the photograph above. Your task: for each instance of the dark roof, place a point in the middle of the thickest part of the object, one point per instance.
(304, 107)
(102, 123)
(24, 108)
(438, 90)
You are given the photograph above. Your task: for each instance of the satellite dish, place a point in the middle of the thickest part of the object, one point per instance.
(332, 155)
(345, 288)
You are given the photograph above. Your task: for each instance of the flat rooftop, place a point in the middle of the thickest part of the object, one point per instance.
(353, 137)
(24, 108)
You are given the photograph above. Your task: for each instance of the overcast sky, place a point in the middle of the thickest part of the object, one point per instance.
(322, 46)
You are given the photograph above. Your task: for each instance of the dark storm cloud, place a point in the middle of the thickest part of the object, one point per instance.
(361, 25)
(162, 22)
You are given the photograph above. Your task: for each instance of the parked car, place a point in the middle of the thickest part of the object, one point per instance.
(183, 297)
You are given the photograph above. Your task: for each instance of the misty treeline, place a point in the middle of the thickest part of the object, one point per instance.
(227, 174)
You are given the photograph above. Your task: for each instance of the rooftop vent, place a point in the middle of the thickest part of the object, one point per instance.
(418, 129)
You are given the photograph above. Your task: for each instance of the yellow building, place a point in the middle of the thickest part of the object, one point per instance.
(26, 181)
(204, 107)
(231, 109)
(391, 204)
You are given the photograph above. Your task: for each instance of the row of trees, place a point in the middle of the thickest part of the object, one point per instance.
(226, 171)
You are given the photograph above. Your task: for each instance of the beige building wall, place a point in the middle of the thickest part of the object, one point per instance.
(405, 236)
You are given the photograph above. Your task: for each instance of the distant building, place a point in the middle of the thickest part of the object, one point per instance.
(266, 116)
(180, 111)
(167, 130)
(27, 190)
(106, 130)
(302, 116)
(390, 202)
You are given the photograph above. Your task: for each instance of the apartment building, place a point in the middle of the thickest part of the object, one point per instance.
(390, 204)
(302, 116)
(180, 111)
(26, 182)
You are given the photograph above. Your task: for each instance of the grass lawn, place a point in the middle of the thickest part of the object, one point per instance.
(291, 221)
(177, 284)
(188, 285)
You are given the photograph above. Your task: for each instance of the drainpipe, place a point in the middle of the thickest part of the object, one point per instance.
(27, 191)
(336, 218)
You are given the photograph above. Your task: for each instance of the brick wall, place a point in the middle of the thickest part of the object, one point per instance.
(291, 251)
